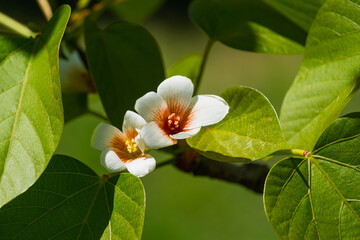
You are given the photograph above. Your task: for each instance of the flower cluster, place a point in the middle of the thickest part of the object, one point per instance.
(162, 118)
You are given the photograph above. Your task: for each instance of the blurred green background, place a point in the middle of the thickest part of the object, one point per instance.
(179, 205)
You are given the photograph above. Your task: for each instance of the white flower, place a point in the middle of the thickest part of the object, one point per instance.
(74, 76)
(172, 113)
(123, 150)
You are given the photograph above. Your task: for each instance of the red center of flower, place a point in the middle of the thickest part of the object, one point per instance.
(173, 121)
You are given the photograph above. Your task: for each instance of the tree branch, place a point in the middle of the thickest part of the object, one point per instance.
(249, 175)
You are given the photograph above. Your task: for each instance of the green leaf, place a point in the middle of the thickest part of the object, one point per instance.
(136, 11)
(188, 66)
(8, 44)
(300, 12)
(75, 105)
(248, 25)
(31, 116)
(328, 76)
(318, 197)
(251, 130)
(125, 63)
(69, 201)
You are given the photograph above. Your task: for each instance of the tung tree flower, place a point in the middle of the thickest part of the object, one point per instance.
(123, 150)
(74, 76)
(172, 113)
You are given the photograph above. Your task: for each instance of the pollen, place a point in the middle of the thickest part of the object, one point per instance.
(131, 145)
(173, 121)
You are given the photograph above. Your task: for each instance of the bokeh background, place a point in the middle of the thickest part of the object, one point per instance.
(179, 205)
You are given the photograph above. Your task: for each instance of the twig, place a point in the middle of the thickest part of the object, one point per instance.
(250, 175)
(15, 26)
(45, 8)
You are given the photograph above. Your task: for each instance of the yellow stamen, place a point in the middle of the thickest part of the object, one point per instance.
(131, 145)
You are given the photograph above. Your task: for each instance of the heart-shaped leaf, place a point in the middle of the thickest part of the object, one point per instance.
(69, 201)
(135, 11)
(31, 116)
(125, 63)
(248, 25)
(251, 130)
(328, 77)
(318, 197)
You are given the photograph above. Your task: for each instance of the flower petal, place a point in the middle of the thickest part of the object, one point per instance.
(140, 143)
(206, 110)
(111, 161)
(154, 137)
(141, 166)
(151, 106)
(102, 136)
(176, 91)
(72, 73)
(132, 121)
(186, 134)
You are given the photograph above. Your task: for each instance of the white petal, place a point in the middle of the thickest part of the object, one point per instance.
(102, 136)
(73, 73)
(140, 143)
(154, 137)
(132, 120)
(150, 106)
(176, 89)
(206, 110)
(111, 161)
(186, 134)
(141, 166)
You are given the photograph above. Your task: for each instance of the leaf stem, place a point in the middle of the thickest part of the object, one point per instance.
(15, 26)
(208, 47)
(98, 115)
(290, 152)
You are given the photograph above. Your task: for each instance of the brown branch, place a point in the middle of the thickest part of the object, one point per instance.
(87, 11)
(250, 175)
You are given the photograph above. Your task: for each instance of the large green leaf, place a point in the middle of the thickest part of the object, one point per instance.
(8, 44)
(135, 10)
(248, 25)
(125, 63)
(69, 201)
(300, 12)
(328, 76)
(318, 197)
(188, 66)
(251, 130)
(31, 116)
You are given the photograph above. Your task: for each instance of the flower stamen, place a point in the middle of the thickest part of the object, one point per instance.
(131, 145)
(173, 121)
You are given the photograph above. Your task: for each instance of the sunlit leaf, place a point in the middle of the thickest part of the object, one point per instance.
(31, 116)
(248, 25)
(125, 63)
(69, 201)
(251, 130)
(328, 76)
(319, 197)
